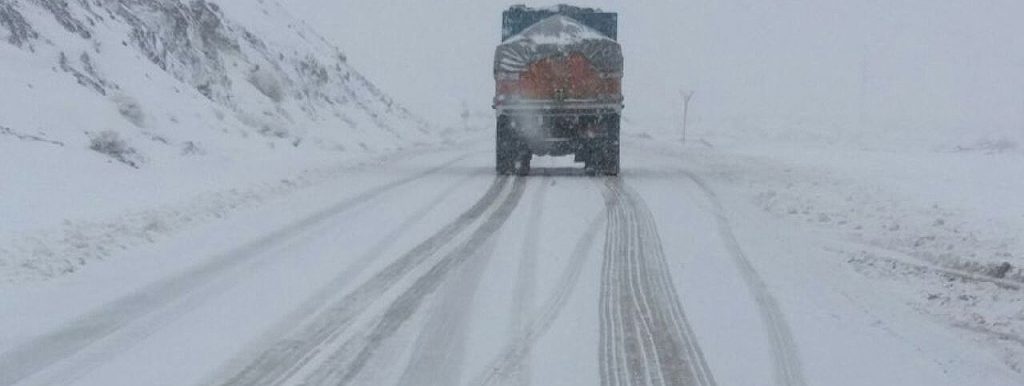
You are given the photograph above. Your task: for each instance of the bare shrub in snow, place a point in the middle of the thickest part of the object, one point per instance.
(130, 110)
(992, 146)
(1000, 145)
(267, 84)
(269, 130)
(110, 143)
(192, 148)
(159, 138)
(311, 69)
(83, 78)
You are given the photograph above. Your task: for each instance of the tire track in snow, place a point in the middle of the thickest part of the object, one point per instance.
(438, 354)
(786, 358)
(310, 307)
(344, 365)
(438, 351)
(645, 336)
(37, 354)
(526, 280)
(506, 365)
(290, 353)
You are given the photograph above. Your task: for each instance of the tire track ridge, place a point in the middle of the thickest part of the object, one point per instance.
(611, 318)
(290, 353)
(613, 335)
(642, 318)
(646, 338)
(341, 370)
(681, 324)
(785, 356)
(646, 320)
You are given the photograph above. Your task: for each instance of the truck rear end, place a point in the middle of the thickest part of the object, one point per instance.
(558, 77)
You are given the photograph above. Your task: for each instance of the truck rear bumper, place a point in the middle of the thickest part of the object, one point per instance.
(562, 131)
(558, 108)
(563, 146)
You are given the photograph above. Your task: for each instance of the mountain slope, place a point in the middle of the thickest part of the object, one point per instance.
(171, 67)
(112, 108)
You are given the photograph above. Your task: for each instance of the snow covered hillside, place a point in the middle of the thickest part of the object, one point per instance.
(117, 106)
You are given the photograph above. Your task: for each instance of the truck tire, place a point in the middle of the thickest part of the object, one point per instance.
(522, 161)
(610, 158)
(504, 148)
(512, 155)
(602, 158)
(609, 148)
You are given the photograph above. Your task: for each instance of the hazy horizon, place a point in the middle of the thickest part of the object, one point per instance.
(870, 67)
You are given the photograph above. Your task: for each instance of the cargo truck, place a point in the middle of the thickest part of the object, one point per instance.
(558, 83)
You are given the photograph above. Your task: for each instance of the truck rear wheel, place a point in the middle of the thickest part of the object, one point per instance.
(611, 147)
(511, 153)
(522, 163)
(603, 158)
(610, 158)
(606, 153)
(504, 156)
(603, 154)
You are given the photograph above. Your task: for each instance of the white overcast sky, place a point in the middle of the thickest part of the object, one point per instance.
(837, 64)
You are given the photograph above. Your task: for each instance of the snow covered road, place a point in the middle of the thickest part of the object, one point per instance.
(429, 270)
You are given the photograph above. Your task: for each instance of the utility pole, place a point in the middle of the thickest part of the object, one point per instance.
(687, 97)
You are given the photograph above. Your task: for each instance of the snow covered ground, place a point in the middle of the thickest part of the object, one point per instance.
(426, 267)
(200, 193)
(936, 227)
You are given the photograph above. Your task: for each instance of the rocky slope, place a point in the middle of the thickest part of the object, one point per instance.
(177, 72)
(124, 121)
